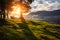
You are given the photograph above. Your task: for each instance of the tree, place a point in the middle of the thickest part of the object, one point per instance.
(4, 4)
(25, 7)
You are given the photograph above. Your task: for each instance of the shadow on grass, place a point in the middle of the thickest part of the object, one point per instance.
(57, 28)
(4, 36)
(3, 22)
(29, 34)
(45, 38)
(51, 33)
(7, 33)
(34, 23)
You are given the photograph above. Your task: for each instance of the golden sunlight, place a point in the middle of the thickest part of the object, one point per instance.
(16, 10)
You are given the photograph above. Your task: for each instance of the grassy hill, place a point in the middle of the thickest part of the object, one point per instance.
(16, 29)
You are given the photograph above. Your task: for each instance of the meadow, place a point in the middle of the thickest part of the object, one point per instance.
(16, 29)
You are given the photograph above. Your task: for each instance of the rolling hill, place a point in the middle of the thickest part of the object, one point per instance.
(49, 16)
(46, 13)
(16, 29)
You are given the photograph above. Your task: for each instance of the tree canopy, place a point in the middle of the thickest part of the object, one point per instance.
(6, 4)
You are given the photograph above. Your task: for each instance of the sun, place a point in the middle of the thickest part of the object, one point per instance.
(16, 10)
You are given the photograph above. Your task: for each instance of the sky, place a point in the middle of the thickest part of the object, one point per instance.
(45, 5)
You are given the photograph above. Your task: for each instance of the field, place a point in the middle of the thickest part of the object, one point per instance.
(16, 29)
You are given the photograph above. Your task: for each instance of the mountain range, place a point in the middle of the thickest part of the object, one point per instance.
(46, 13)
(50, 16)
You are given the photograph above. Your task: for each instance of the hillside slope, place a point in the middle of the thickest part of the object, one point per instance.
(15, 29)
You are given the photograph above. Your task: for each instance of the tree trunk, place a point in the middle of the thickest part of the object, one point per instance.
(21, 16)
(4, 16)
(7, 15)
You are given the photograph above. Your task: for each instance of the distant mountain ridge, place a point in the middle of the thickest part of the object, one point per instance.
(49, 16)
(46, 13)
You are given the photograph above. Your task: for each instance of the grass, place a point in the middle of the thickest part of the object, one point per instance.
(16, 29)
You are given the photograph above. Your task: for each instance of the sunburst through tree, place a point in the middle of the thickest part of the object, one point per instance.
(20, 7)
(14, 6)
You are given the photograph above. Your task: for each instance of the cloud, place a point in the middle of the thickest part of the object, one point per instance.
(48, 5)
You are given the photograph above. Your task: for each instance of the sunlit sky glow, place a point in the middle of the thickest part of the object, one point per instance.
(15, 11)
